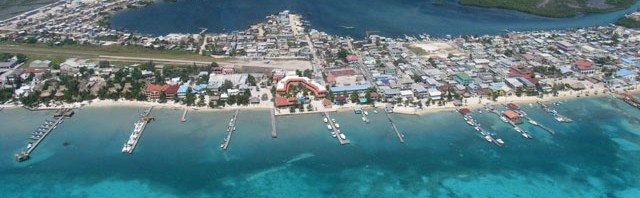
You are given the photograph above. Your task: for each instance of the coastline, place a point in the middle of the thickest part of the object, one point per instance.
(472, 103)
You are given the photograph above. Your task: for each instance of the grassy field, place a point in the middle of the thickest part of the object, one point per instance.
(551, 8)
(126, 51)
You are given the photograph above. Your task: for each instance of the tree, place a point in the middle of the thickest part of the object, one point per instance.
(251, 80)
(214, 64)
(190, 99)
(201, 102)
(417, 78)
(307, 73)
(342, 54)
(104, 64)
(354, 97)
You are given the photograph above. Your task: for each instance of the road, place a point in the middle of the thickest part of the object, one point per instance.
(7, 49)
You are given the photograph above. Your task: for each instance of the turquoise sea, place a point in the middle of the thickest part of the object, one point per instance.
(595, 156)
(348, 18)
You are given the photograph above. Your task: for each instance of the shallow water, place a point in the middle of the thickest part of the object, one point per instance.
(596, 155)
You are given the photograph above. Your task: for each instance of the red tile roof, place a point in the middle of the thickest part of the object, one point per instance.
(156, 88)
(352, 58)
(282, 102)
(172, 89)
(583, 64)
(510, 114)
(343, 72)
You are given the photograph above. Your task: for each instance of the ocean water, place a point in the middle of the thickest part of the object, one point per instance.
(595, 156)
(348, 18)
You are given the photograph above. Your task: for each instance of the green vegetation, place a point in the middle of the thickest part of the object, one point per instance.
(628, 22)
(124, 51)
(416, 50)
(551, 8)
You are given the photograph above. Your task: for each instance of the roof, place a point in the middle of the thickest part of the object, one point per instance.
(183, 88)
(463, 76)
(343, 72)
(352, 58)
(624, 72)
(510, 114)
(172, 89)
(583, 64)
(350, 88)
(281, 101)
(156, 88)
(339, 98)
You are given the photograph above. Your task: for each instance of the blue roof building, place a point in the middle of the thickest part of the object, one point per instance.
(350, 88)
(182, 91)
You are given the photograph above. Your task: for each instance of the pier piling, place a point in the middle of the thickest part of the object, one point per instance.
(395, 129)
(184, 115)
(232, 127)
(338, 133)
(274, 134)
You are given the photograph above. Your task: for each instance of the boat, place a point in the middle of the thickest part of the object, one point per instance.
(533, 122)
(518, 129)
(333, 134)
(342, 136)
(477, 128)
(337, 125)
(329, 127)
(499, 141)
(375, 111)
(29, 145)
(325, 119)
(366, 113)
(333, 120)
(488, 138)
(504, 119)
(526, 135)
(469, 123)
(222, 146)
(364, 119)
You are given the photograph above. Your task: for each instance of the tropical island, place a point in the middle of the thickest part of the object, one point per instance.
(554, 8)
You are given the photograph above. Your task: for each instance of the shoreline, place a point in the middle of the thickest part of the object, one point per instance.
(472, 103)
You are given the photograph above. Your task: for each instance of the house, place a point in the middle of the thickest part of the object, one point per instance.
(182, 91)
(463, 78)
(513, 116)
(584, 67)
(565, 46)
(340, 99)
(153, 91)
(10, 64)
(434, 94)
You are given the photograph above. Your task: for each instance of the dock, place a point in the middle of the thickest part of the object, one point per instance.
(515, 127)
(339, 135)
(184, 115)
(274, 133)
(230, 130)
(484, 133)
(533, 122)
(25, 155)
(556, 115)
(395, 129)
(138, 129)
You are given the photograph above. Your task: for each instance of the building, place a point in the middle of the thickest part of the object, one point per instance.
(182, 91)
(565, 46)
(513, 116)
(10, 64)
(463, 78)
(283, 85)
(584, 67)
(154, 91)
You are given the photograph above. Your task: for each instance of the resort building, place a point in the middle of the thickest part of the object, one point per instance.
(584, 67)
(463, 78)
(283, 85)
(154, 91)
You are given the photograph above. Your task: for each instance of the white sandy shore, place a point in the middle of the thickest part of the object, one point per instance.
(473, 103)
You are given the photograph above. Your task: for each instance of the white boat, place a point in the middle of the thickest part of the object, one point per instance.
(366, 113)
(337, 125)
(499, 141)
(518, 129)
(488, 138)
(469, 123)
(363, 119)
(333, 120)
(533, 122)
(504, 119)
(526, 135)
(333, 134)
(29, 145)
(375, 111)
(329, 127)
(222, 146)
(325, 119)
(342, 136)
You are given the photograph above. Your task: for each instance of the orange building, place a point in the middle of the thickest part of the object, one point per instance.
(283, 85)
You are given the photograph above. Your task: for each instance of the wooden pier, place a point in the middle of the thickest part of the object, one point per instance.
(486, 135)
(230, 130)
(338, 133)
(515, 127)
(524, 114)
(556, 115)
(395, 129)
(25, 155)
(274, 133)
(184, 115)
(135, 136)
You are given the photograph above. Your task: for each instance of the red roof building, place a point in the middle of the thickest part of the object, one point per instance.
(352, 58)
(584, 67)
(513, 116)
